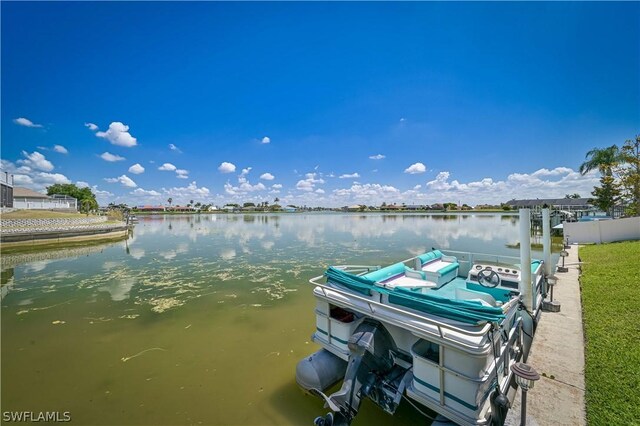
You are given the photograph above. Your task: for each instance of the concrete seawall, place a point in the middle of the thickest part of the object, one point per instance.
(49, 222)
(27, 237)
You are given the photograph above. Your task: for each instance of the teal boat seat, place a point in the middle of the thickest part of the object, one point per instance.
(467, 311)
(438, 268)
(386, 273)
(355, 283)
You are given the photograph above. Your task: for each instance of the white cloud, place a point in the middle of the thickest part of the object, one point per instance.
(267, 176)
(61, 149)
(192, 191)
(46, 179)
(308, 184)
(543, 183)
(91, 126)
(172, 147)
(415, 169)
(304, 185)
(8, 166)
(145, 193)
(100, 194)
(37, 161)
(26, 122)
(107, 156)
(82, 184)
(349, 176)
(182, 174)
(377, 157)
(249, 188)
(440, 182)
(319, 191)
(227, 167)
(118, 134)
(555, 172)
(26, 176)
(167, 167)
(22, 180)
(266, 139)
(276, 186)
(136, 169)
(370, 193)
(124, 180)
(243, 188)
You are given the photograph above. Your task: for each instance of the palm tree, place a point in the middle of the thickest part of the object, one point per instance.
(170, 200)
(605, 161)
(88, 204)
(602, 159)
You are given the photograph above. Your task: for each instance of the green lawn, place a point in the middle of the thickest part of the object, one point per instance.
(610, 284)
(39, 214)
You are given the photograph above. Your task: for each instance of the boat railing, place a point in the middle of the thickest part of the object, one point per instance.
(372, 305)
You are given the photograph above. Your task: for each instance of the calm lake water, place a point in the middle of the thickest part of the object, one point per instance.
(199, 319)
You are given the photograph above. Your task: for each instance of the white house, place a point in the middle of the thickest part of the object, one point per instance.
(24, 198)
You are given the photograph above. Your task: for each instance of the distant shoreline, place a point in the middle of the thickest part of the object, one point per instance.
(437, 212)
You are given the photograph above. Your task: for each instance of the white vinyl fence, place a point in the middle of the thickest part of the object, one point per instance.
(44, 204)
(603, 231)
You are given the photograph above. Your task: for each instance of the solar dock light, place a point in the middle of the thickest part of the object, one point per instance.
(563, 268)
(551, 305)
(566, 242)
(526, 377)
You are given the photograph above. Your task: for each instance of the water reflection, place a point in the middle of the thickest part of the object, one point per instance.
(183, 257)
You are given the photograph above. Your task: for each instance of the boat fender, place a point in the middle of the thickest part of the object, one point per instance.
(499, 407)
(320, 370)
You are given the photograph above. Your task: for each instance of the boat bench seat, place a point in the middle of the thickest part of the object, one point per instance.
(386, 273)
(399, 275)
(438, 268)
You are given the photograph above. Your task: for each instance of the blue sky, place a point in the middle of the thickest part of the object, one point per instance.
(316, 103)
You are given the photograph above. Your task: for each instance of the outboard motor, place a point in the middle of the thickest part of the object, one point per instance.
(370, 363)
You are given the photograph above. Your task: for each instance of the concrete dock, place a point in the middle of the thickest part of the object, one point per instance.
(557, 355)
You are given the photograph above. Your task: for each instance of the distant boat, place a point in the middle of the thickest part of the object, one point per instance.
(441, 329)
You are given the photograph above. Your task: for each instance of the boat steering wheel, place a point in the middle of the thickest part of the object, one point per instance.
(488, 278)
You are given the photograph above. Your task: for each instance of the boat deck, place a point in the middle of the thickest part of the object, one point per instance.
(448, 290)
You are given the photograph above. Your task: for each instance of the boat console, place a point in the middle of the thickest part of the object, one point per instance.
(508, 276)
